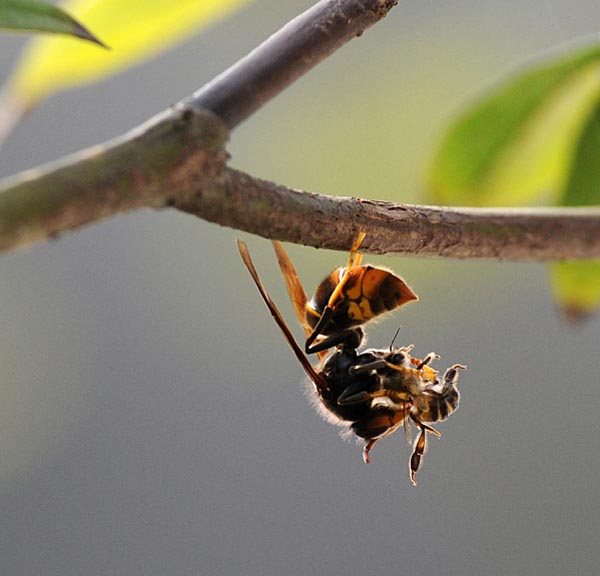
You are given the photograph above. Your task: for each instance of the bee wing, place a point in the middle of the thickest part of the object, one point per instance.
(308, 367)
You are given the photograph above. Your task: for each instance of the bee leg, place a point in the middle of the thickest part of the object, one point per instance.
(368, 367)
(348, 396)
(345, 398)
(431, 356)
(419, 448)
(367, 450)
(451, 375)
(415, 459)
(354, 394)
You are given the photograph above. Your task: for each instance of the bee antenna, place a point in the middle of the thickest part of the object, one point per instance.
(395, 336)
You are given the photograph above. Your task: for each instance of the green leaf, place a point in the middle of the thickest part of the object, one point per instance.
(516, 144)
(38, 16)
(576, 285)
(537, 135)
(135, 30)
(583, 183)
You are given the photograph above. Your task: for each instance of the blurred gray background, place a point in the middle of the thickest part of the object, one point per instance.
(152, 419)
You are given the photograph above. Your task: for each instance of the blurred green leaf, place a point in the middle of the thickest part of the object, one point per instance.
(576, 286)
(135, 31)
(583, 184)
(538, 135)
(38, 16)
(516, 144)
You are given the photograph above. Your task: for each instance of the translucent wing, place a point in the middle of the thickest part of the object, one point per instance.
(294, 286)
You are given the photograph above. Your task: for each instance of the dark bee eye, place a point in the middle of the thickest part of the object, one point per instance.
(397, 358)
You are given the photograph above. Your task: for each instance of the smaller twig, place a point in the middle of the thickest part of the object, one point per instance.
(285, 56)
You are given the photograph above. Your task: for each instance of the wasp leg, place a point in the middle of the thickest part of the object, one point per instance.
(367, 450)
(420, 448)
(355, 257)
(318, 329)
(351, 338)
(353, 261)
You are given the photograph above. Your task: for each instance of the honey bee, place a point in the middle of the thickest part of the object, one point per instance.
(370, 393)
(407, 389)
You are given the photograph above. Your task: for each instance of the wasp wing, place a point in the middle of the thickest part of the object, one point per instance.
(308, 367)
(294, 286)
(295, 289)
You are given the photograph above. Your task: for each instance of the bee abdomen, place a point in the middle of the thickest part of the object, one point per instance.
(436, 407)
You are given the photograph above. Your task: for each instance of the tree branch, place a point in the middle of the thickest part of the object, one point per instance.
(175, 153)
(273, 211)
(177, 159)
(176, 171)
(139, 170)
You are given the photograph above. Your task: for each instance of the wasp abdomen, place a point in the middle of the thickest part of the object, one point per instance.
(367, 292)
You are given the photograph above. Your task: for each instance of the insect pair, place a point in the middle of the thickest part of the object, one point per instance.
(370, 393)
